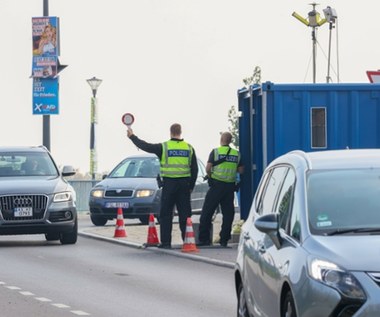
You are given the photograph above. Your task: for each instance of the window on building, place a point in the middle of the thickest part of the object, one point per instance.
(318, 127)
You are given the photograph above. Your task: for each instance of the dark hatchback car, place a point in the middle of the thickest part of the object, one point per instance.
(34, 196)
(310, 246)
(132, 186)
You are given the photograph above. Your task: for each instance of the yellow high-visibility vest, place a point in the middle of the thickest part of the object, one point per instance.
(225, 171)
(176, 159)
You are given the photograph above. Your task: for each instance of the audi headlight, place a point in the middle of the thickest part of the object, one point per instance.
(97, 193)
(65, 196)
(332, 275)
(144, 193)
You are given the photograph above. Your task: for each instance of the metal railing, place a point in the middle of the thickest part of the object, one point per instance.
(82, 189)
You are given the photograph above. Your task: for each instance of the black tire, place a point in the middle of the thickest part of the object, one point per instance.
(288, 308)
(144, 220)
(52, 236)
(242, 309)
(98, 220)
(70, 237)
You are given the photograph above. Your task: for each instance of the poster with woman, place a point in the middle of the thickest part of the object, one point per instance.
(45, 46)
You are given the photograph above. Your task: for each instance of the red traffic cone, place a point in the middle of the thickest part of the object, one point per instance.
(189, 243)
(152, 233)
(120, 228)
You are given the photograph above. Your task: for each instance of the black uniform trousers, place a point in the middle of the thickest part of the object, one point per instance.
(219, 193)
(175, 192)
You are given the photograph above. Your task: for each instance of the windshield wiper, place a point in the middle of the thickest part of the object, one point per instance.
(353, 230)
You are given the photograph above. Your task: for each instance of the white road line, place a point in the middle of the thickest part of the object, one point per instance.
(26, 293)
(61, 305)
(43, 299)
(80, 313)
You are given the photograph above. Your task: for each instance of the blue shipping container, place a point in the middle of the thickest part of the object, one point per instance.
(278, 118)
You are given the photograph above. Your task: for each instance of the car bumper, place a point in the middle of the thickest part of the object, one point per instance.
(60, 218)
(317, 299)
(133, 211)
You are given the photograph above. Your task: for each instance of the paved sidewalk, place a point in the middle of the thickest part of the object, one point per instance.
(137, 235)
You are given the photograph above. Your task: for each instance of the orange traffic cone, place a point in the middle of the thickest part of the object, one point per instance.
(152, 233)
(120, 228)
(189, 243)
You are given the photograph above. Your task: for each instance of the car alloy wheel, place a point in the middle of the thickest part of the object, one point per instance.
(242, 309)
(288, 307)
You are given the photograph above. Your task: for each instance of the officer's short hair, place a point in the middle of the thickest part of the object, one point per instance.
(176, 129)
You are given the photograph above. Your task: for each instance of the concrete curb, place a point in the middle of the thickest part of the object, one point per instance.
(176, 251)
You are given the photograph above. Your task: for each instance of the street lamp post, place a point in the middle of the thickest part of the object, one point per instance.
(94, 84)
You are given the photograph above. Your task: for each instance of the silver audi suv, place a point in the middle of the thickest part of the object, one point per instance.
(34, 196)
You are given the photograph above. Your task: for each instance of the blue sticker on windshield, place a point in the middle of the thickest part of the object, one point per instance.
(323, 221)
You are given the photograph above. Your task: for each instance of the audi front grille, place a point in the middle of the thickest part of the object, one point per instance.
(8, 205)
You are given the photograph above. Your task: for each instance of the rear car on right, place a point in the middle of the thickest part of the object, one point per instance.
(310, 245)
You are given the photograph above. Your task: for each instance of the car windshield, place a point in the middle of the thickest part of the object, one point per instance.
(344, 201)
(26, 164)
(137, 167)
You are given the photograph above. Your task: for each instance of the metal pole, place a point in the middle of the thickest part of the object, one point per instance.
(329, 55)
(93, 154)
(314, 55)
(46, 118)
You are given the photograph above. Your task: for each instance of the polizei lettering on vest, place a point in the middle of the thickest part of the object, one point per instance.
(178, 153)
(229, 158)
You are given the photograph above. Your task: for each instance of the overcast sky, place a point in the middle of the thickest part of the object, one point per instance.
(168, 61)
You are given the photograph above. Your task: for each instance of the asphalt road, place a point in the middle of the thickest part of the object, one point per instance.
(97, 278)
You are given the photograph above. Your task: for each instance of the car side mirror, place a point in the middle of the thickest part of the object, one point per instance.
(269, 224)
(104, 176)
(68, 170)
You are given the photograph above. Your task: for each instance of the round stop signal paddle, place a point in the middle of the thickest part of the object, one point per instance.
(128, 119)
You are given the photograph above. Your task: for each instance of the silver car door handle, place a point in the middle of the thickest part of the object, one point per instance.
(246, 236)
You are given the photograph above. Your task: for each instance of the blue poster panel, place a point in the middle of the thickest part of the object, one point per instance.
(45, 96)
(45, 47)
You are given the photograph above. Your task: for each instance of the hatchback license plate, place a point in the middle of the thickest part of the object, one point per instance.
(23, 211)
(117, 205)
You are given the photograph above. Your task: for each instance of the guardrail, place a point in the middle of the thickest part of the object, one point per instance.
(82, 189)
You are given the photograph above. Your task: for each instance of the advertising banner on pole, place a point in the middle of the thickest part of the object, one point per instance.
(45, 32)
(45, 65)
(45, 96)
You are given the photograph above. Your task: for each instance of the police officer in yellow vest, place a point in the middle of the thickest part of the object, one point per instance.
(222, 168)
(179, 171)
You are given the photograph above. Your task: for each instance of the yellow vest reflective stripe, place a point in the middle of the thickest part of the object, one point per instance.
(176, 159)
(226, 171)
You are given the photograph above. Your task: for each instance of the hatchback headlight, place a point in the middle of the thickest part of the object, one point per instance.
(330, 274)
(144, 193)
(60, 197)
(97, 193)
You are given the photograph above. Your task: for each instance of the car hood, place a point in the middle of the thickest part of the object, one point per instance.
(32, 185)
(353, 252)
(128, 183)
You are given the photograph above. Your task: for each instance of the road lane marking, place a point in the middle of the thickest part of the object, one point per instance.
(80, 313)
(43, 299)
(26, 293)
(61, 305)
